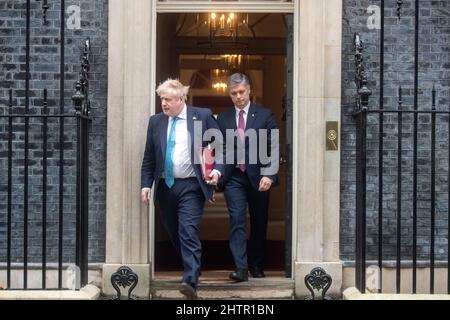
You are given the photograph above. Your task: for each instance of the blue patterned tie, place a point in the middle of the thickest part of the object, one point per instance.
(168, 164)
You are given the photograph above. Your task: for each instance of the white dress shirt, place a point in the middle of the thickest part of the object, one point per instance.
(247, 107)
(182, 165)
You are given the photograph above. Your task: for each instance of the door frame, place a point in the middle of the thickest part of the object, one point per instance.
(241, 6)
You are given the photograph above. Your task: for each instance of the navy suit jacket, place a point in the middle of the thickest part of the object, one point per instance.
(155, 147)
(257, 118)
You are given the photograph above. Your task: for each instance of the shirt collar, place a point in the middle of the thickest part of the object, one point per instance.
(245, 109)
(183, 114)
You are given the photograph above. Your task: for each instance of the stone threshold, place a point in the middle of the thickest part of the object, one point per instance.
(252, 289)
(88, 292)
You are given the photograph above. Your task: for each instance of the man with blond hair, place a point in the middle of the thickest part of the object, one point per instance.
(179, 188)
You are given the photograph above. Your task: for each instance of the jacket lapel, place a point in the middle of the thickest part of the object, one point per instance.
(251, 117)
(232, 120)
(163, 135)
(191, 116)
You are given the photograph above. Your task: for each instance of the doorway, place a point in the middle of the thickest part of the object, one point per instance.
(188, 48)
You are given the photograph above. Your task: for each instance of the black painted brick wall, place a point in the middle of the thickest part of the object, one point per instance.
(44, 67)
(434, 68)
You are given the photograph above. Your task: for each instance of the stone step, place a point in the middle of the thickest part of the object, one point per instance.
(220, 287)
(228, 294)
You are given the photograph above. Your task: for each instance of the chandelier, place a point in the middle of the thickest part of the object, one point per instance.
(219, 80)
(233, 63)
(228, 27)
(223, 25)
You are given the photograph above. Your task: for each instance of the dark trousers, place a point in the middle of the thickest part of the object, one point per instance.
(181, 211)
(238, 194)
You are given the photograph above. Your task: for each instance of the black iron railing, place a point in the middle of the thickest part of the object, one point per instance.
(361, 118)
(17, 124)
(427, 118)
(82, 107)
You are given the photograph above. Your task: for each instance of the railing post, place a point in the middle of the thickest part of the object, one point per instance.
(84, 196)
(9, 215)
(433, 189)
(360, 115)
(82, 110)
(360, 263)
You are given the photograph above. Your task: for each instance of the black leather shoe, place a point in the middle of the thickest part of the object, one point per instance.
(257, 273)
(188, 291)
(239, 275)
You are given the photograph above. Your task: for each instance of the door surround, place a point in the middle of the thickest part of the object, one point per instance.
(316, 99)
(175, 7)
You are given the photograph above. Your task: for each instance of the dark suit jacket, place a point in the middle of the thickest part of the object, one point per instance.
(257, 118)
(155, 147)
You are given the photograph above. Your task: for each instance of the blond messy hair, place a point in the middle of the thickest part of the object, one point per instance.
(173, 88)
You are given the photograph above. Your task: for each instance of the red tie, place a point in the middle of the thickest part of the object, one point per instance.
(241, 131)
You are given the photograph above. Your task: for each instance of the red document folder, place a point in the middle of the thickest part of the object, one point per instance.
(206, 157)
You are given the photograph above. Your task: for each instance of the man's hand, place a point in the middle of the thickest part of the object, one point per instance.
(146, 194)
(265, 184)
(213, 198)
(213, 178)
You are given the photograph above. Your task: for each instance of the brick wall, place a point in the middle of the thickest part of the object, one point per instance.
(44, 68)
(434, 68)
